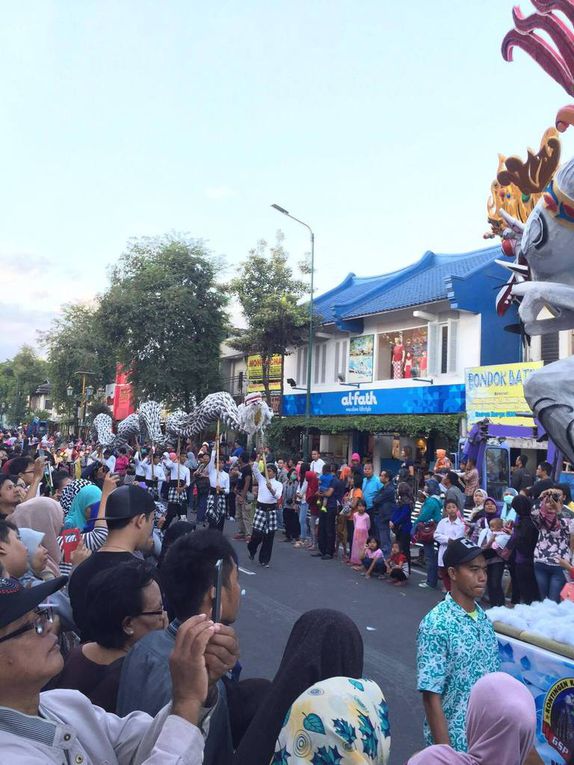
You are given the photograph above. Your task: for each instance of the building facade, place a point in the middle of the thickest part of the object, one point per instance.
(390, 353)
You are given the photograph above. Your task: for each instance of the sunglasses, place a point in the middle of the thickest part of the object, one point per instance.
(44, 616)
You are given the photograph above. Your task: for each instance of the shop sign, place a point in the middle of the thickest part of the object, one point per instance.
(255, 373)
(361, 358)
(497, 392)
(428, 399)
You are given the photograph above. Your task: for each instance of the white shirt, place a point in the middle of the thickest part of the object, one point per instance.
(263, 494)
(83, 733)
(446, 530)
(177, 471)
(111, 463)
(217, 477)
(317, 466)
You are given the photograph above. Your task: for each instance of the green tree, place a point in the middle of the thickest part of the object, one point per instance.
(76, 342)
(19, 378)
(164, 316)
(269, 295)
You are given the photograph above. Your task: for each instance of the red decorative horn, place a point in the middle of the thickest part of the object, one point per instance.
(561, 35)
(542, 53)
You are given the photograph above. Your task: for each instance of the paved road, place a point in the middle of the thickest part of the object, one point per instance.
(275, 598)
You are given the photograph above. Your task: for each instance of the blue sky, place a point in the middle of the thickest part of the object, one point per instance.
(378, 122)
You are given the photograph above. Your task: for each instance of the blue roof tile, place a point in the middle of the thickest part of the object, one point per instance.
(421, 282)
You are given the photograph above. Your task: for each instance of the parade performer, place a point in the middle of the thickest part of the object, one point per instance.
(265, 519)
(218, 492)
(179, 481)
(154, 475)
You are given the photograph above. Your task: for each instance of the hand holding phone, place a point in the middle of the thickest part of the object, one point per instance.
(216, 606)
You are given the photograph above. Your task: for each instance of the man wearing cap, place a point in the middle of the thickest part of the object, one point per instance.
(456, 646)
(130, 516)
(62, 726)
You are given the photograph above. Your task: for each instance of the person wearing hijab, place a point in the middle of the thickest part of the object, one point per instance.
(339, 720)
(553, 544)
(81, 511)
(323, 644)
(500, 726)
(478, 510)
(430, 513)
(45, 515)
(523, 542)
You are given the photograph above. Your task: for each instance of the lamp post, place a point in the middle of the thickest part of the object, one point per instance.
(283, 211)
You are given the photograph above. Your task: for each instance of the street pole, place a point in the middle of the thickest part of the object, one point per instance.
(306, 450)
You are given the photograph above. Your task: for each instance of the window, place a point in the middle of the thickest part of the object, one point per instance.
(443, 341)
(48, 404)
(549, 347)
(402, 354)
(444, 349)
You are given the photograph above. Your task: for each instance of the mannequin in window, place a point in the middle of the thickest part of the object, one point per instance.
(408, 365)
(398, 359)
(423, 364)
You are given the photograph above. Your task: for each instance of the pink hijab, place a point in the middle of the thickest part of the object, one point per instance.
(45, 515)
(500, 726)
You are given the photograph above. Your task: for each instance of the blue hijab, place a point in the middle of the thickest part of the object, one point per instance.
(88, 496)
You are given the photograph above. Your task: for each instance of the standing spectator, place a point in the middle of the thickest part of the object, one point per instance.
(456, 646)
(9, 499)
(479, 496)
(243, 494)
(431, 514)
(362, 524)
(317, 464)
(356, 494)
(543, 479)
(497, 731)
(356, 465)
(553, 544)
(130, 516)
(481, 520)
(384, 504)
(125, 604)
(314, 503)
(332, 491)
(487, 541)
(471, 480)
(401, 521)
(508, 514)
(521, 478)
(291, 509)
(448, 529)
(454, 490)
(371, 487)
(523, 541)
(301, 496)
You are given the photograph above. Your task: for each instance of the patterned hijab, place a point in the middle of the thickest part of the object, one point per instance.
(339, 720)
(70, 491)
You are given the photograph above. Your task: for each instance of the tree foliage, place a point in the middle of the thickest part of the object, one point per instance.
(19, 378)
(76, 342)
(269, 295)
(164, 317)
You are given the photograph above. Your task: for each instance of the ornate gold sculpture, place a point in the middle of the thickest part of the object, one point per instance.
(519, 185)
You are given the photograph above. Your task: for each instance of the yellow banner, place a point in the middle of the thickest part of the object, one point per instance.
(255, 373)
(497, 392)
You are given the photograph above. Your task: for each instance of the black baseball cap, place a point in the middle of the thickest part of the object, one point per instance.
(15, 600)
(460, 551)
(127, 502)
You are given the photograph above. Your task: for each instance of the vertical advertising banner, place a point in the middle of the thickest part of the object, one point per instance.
(361, 359)
(123, 398)
(255, 373)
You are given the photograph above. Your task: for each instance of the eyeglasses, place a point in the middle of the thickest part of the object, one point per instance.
(44, 616)
(152, 613)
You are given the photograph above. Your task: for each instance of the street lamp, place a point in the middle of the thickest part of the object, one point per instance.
(69, 391)
(283, 211)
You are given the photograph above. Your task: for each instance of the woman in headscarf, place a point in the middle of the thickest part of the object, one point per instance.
(322, 644)
(45, 515)
(523, 541)
(340, 720)
(478, 497)
(500, 726)
(93, 528)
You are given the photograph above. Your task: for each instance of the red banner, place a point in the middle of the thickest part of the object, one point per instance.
(123, 402)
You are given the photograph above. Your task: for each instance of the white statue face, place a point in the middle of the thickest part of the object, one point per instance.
(548, 247)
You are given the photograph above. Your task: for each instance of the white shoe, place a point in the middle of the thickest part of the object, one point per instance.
(425, 585)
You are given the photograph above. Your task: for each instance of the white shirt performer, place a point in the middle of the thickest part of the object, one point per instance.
(218, 491)
(269, 492)
(63, 726)
(179, 480)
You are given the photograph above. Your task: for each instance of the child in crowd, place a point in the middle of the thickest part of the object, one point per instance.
(362, 524)
(397, 566)
(372, 559)
(448, 528)
(494, 536)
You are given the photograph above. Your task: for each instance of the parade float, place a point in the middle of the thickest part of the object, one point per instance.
(533, 211)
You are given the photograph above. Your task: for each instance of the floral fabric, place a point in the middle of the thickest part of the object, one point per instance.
(339, 721)
(552, 543)
(454, 650)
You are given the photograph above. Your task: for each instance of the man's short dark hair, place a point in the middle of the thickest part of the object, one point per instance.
(58, 477)
(4, 478)
(188, 570)
(115, 524)
(112, 595)
(523, 460)
(20, 464)
(5, 528)
(546, 466)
